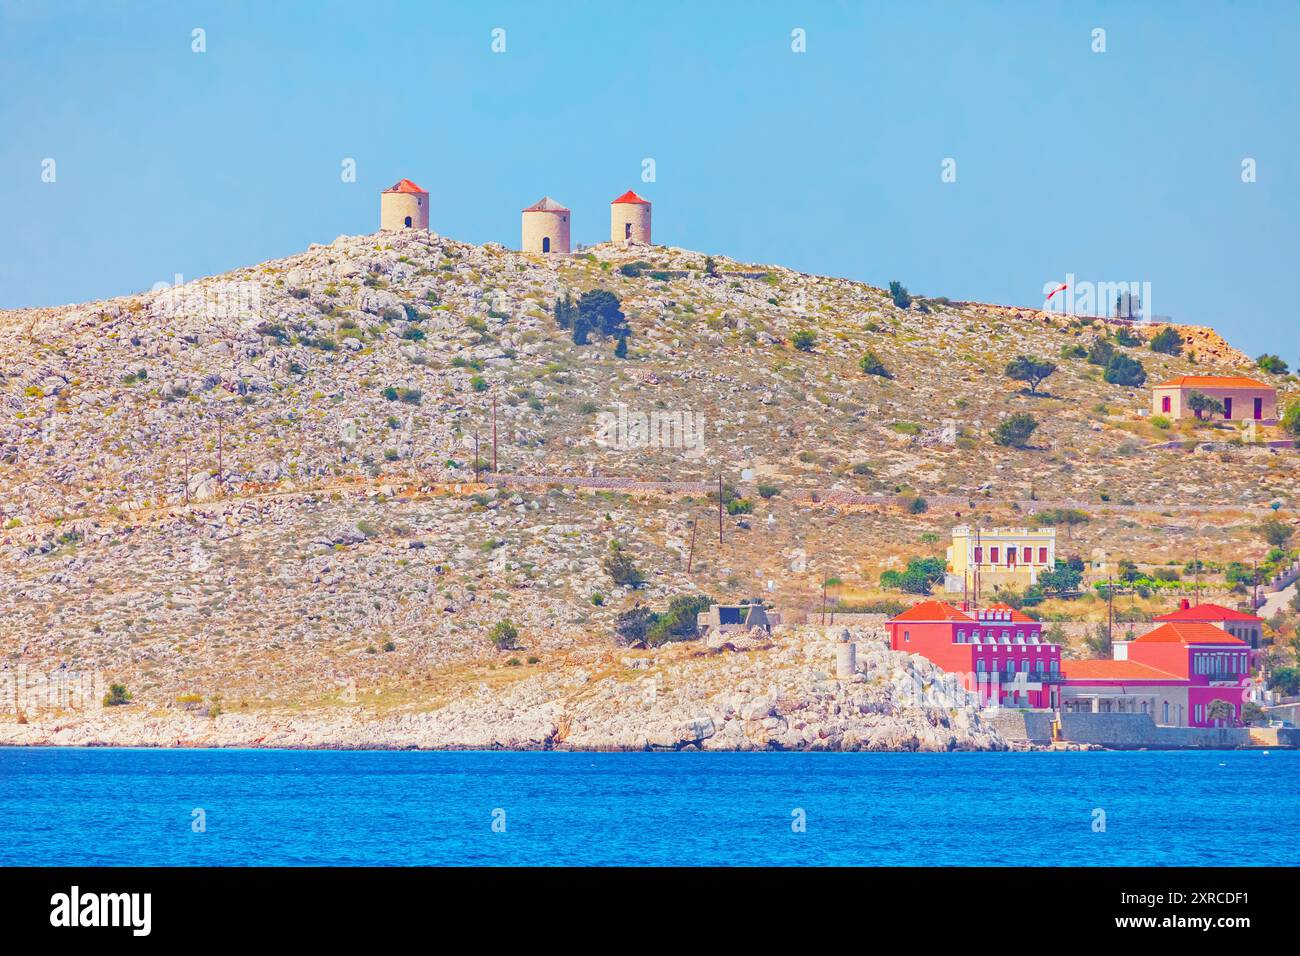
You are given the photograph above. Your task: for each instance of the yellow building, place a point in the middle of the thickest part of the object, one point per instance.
(1001, 557)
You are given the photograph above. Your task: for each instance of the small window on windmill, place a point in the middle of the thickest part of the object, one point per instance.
(627, 230)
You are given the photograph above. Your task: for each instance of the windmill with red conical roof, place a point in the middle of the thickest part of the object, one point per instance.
(629, 219)
(403, 205)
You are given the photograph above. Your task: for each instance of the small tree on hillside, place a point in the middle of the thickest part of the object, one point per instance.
(600, 308)
(872, 364)
(504, 636)
(1272, 364)
(1026, 368)
(1100, 352)
(804, 340)
(1014, 430)
(620, 567)
(1167, 341)
(902, 298)
(1277, 533)
(1200, 404)
(1291, 419)
(1123, 370)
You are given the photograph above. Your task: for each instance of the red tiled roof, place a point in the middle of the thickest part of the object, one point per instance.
(405, 186)
(1113, 670)
(1189, 633)
(1213, 381)
(1208, 612)
(630, 196)
(933, 611)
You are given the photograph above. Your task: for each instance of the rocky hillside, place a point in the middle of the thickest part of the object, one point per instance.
(259, 489)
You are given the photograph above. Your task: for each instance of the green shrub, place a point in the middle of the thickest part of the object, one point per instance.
(804, 340)
(504, 635)
(1167, 341)
(117, 696)
(621, 568)
(1014, 430)
(1122, 370)
(871, 364)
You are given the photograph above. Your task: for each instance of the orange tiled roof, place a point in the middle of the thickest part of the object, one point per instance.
(1114, 670)
(1208, 612)
(1213, 381)
(933, 611)
(630, 196)
(404, 186)
(1189, 633)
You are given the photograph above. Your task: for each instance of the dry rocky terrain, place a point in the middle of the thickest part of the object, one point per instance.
(252, 500)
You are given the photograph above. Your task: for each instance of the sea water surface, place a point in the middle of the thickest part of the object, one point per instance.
(275, 807)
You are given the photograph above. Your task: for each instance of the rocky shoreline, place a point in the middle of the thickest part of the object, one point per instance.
(724, 693)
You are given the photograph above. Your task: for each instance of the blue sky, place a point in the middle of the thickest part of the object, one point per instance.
(1115, 166)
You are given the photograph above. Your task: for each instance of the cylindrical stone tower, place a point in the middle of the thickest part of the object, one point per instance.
(404, 205)
(545, 227)
(629, 219)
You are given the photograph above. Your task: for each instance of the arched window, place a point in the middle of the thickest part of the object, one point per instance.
(408, 222)
(546, 244)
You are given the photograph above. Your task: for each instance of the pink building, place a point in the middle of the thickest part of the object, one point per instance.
(1243, 399)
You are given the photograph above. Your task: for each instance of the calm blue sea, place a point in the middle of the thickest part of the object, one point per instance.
(136, 807)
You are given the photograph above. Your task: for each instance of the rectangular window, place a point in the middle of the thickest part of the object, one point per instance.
(1227, 407)
(993, 555)
(1029, 555)
(907, 635)
(1164, 404)
(1042, 555)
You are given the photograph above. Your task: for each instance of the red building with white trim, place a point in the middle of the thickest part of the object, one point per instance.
(1174, 673)
(997, 650)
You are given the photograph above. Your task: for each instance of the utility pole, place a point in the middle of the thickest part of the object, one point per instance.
(476, 455)
(1254, 580)
(221, 480)
(719, 508)
(1110, 613)
(1197, 559)
(823, 601)
(494, 434)
(187, 474)
(690, 558)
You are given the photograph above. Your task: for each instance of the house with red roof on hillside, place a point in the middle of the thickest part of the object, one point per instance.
(1239, 624)
(1243, 399)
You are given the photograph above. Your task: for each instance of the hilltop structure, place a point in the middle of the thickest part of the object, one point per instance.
(981, 558)
(629, 219)
(404, 205)
(1243, 399)
(545, 227)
